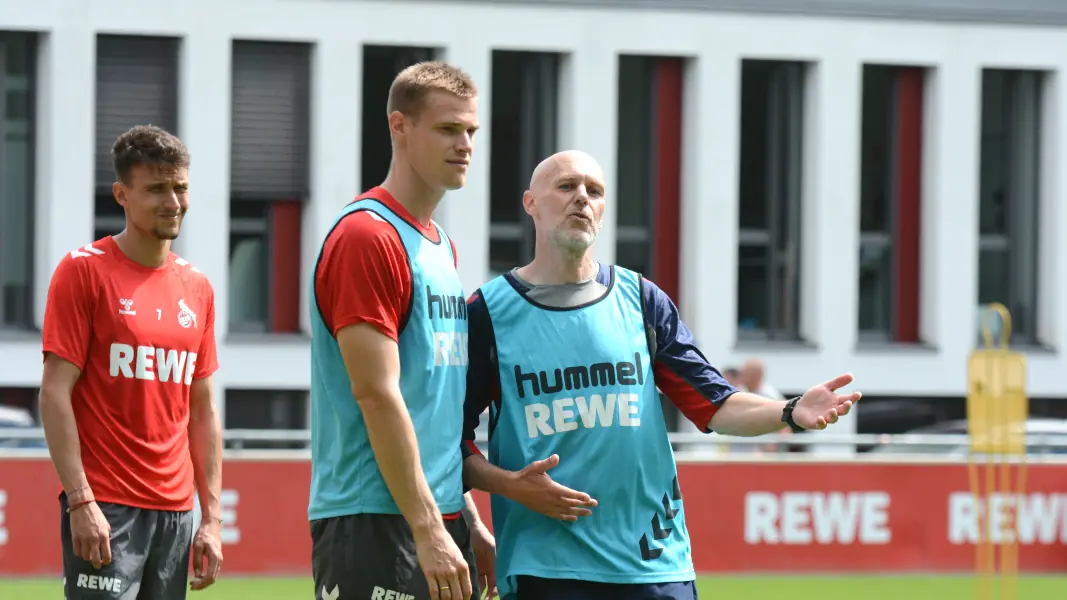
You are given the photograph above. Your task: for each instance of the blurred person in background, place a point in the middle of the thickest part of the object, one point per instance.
(567, 354)
(389, 323)
(126, 395)
(753, 377)
(733, 377)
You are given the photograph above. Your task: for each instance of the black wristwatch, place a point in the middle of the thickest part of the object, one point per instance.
(787, 415)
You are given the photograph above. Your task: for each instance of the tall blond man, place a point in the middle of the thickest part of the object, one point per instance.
(389, 518)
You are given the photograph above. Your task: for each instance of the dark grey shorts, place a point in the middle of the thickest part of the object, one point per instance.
(149, 556)
(364, 557)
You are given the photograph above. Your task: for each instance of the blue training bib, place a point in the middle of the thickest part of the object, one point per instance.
(345, 478)
(578, 382)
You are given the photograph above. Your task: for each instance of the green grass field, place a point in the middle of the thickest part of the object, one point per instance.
(711, 588)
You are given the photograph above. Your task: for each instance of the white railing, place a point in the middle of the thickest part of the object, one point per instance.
(1058, 440)
(689, 447)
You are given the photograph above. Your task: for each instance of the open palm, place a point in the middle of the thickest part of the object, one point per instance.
(822, 405)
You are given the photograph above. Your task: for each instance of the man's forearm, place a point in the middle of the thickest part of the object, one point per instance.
(744, 414)
(471, 509)
(396, 450)
(61, 434)
(205, 446)
(480, 474)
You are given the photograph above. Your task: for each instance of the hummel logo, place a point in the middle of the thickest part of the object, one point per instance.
(86, 250)
(127, 304)
(332, 595)
(181, 262)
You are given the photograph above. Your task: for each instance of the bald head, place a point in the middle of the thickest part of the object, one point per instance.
(752, 374)
(566, 200)
(549, 168)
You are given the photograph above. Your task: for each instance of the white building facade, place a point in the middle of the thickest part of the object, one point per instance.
(825, 193)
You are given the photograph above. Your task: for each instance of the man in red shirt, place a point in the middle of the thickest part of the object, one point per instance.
(126, 395)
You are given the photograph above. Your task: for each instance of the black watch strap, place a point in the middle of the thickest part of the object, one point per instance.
(787, 415)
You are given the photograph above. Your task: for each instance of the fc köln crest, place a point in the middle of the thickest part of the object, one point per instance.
(186, 317)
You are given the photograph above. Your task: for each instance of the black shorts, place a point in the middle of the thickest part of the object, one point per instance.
(149, 556)
(535, 588)
(372, 556)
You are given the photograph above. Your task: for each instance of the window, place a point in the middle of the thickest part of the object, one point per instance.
(525, 107)
(19, 405)
(636, 175)
(17, 100)
(136, 84)
(1009, 196)
(381, 64)
(109, 218)
(772, 128)
(268, 184)
(264, 266)
(649, 167)
(18, 410)
(249, 296)
(649, 175)
(265, 410)
(890, 211)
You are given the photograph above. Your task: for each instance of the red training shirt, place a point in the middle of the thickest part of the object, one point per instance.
(140, 336)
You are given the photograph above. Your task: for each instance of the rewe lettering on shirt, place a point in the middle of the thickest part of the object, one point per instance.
(148, 363)
(596, 410)
(802, 518)
(1032, 518)
(449, 349)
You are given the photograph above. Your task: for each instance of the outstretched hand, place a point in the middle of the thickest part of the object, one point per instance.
(822, 406)
(535, 489)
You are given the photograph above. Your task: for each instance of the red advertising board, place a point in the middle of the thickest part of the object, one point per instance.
(742, 517)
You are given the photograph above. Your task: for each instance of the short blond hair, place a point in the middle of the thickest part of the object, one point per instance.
(411, 86)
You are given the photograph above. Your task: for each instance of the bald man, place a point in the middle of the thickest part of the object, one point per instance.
(567, 354)
(753, 377)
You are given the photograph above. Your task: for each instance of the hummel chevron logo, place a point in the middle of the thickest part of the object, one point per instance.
(658, 531)
(86, 250)
(181, 262)
(646, 552)
(330, 595)
(667, 510)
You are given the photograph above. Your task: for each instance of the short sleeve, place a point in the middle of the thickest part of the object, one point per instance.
(207, 360)
(363, 276)
(682, 372)
(68, 312)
